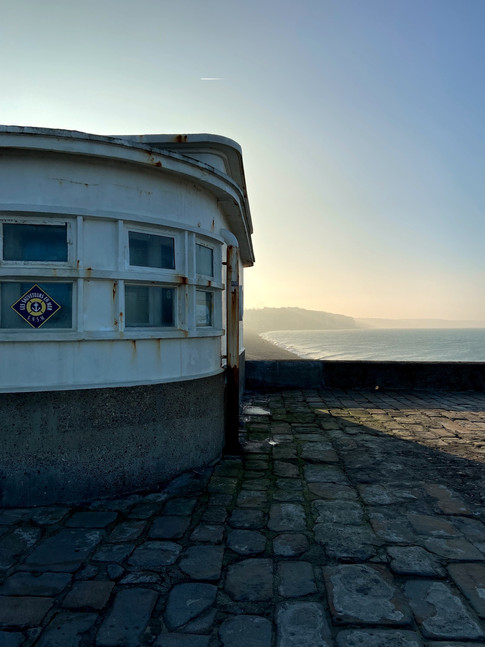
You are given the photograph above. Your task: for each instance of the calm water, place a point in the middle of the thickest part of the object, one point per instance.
(433, 345)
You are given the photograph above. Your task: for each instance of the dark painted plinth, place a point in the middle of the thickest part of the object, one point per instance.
(70, 446)
(277, 374)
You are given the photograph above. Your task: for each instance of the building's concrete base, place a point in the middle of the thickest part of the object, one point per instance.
(70, 446)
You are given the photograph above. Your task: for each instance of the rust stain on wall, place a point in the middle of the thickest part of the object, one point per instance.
(153, 161)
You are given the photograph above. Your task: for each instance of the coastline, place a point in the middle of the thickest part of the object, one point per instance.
(260, 349)
(371, 345)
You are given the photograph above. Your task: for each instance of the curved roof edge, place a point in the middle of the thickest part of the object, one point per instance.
(229, 150)
(194, 146)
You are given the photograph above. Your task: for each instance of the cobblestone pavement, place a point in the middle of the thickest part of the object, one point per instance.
(352, 519)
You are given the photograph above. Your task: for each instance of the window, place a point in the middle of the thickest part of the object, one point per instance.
(25, 242)
(203, 308)
(204, 259)
(149, 306)
(149, 250)
(28, 305)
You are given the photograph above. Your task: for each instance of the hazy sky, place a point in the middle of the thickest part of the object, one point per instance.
(361, 122)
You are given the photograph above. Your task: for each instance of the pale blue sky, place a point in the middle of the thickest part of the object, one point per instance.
(361, 123)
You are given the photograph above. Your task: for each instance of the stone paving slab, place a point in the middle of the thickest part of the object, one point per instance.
(351, 519)
(378, 638)
(244, 630)
(43, 584)
(127, 619)
(440, 612)
(88, 594)
(302, 624)
(367, 594)
(67, 628)
(23, 611)
(470, 578)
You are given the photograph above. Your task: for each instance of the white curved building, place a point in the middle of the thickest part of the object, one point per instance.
(113, 302)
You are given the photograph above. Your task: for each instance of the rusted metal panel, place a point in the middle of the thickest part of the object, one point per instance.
(232, 341)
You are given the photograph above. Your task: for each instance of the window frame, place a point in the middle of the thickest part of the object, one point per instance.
(212, 309)
(175, 306)
(205, 245)
(179, 249)
(151, 236)
(44, 221)
(209, 283)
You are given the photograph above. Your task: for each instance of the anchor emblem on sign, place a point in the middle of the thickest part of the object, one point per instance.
(35, 307)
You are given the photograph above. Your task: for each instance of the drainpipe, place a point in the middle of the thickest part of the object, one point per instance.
(232, 445)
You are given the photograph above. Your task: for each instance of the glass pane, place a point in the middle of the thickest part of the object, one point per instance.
(204, 260)
(149, 306)
(147, 250)
(37, 303)
(203, 308)
(35, 243)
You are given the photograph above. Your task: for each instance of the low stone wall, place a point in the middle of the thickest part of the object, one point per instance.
(456, 376)
(70, 446)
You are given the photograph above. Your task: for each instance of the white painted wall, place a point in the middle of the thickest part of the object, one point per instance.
(102, 195)
(42, 366)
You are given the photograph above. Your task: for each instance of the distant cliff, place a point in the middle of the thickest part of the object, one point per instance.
(264, 319)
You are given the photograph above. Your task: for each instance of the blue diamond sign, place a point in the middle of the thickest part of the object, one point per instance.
(35, 307)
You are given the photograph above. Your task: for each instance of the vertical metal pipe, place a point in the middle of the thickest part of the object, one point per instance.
(232, 340)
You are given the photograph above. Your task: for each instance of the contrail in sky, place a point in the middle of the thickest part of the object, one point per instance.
(211, 78)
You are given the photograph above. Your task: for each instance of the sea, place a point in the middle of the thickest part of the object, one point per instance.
(408, 345)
